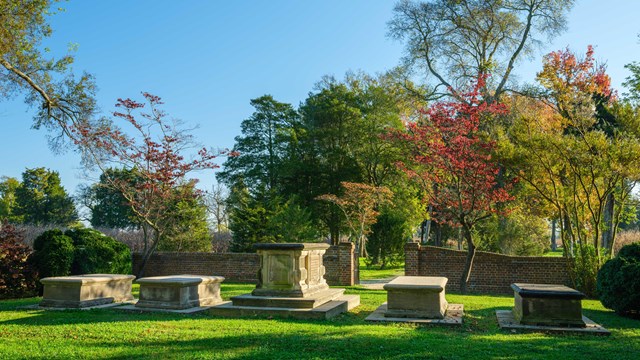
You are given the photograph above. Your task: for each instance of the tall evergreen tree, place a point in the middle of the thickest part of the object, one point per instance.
(41, 199)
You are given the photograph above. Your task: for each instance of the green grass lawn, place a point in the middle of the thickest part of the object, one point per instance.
(557, 253)
(111, 334)
(374, 272)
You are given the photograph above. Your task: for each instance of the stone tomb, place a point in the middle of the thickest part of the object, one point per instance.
(83, 291)
(179, 292)
(417, 299)
(291, 283)
(546, 307)
(542, 304)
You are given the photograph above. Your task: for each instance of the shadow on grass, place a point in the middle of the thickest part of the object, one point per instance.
(372, 342)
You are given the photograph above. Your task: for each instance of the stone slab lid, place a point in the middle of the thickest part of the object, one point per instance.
(546, 291)
(85, 279)
(291, 246)
(179, 280)
(435, 283)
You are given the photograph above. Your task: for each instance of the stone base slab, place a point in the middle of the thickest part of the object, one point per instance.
(327, 310)
(309, 302)
(506, 320)
(103, 306)
(454, 316)
(191, 310)
(84, 291)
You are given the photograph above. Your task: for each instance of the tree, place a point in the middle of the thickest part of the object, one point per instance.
(578, 149)
(108, 207)
(8, 187)
(156, 152)
(359, 203)
(455, 41)
(49, 85)
(262, 147)
(455, 165)
(41, 199)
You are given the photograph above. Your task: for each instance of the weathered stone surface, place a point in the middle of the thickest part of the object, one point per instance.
(508, 322)
(327, 310)
(547, 305)
(308, 302)
(453, 316)
(290, 284)
(179, 291)
(416, 297)
(86, 290)
(290, 269)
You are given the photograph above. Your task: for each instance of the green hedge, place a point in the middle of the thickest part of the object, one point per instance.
(618, 283)
(96, 253)
(79, 251)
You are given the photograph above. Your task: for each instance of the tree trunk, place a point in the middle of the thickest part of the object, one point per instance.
(471, 253)
(554, 244)
(607, 233)
(145, 259)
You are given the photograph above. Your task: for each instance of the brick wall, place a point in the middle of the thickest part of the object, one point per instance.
(491, 273)
(241, 267)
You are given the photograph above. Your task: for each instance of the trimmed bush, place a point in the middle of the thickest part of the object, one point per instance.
(96, 253)
(53, 253)
(17, 274)
(618, 283)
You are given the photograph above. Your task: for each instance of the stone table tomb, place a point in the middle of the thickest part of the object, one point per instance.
(547, 305)
(416, 297)
(290, 283)
(83, 291)
(178, 292)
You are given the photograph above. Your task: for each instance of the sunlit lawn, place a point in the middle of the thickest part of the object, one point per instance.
(102, 334)
(375, 272)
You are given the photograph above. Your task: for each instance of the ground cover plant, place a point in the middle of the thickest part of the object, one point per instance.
(100, 334)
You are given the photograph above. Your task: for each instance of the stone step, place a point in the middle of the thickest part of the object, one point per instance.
(285, 302)
(327, 310)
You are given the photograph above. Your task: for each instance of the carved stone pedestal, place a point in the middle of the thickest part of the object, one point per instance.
(291, 284)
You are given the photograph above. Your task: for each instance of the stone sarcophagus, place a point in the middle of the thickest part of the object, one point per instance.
(547, 305)
(89, 290)
(179, 291)
(290, 270)
(416, 297)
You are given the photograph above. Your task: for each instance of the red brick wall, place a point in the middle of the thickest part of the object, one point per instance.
(491, 273)
(240, 267)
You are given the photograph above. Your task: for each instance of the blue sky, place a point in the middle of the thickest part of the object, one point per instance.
(207, 59)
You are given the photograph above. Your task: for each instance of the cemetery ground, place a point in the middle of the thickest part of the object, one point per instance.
(113, 334)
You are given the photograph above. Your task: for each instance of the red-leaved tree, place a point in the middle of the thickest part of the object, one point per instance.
(153, 147)
(455, 166)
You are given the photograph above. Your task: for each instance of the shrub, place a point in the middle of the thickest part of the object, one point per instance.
(17, 274)
(53, 253)
(97, 253)
(625, 238)
(618, 283)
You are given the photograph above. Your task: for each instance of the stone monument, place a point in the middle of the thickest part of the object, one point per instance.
(290, 283)
(83, 291)
(419, 300)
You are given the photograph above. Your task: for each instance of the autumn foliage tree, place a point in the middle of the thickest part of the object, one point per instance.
(359, 203)
(156, 152)
(454, 164)
(577, 148)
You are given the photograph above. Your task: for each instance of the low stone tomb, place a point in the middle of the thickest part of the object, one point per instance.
(178, 292)
(417, 299)
(546, 307)
(291, 283)
(84, 291)
(542, 304)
